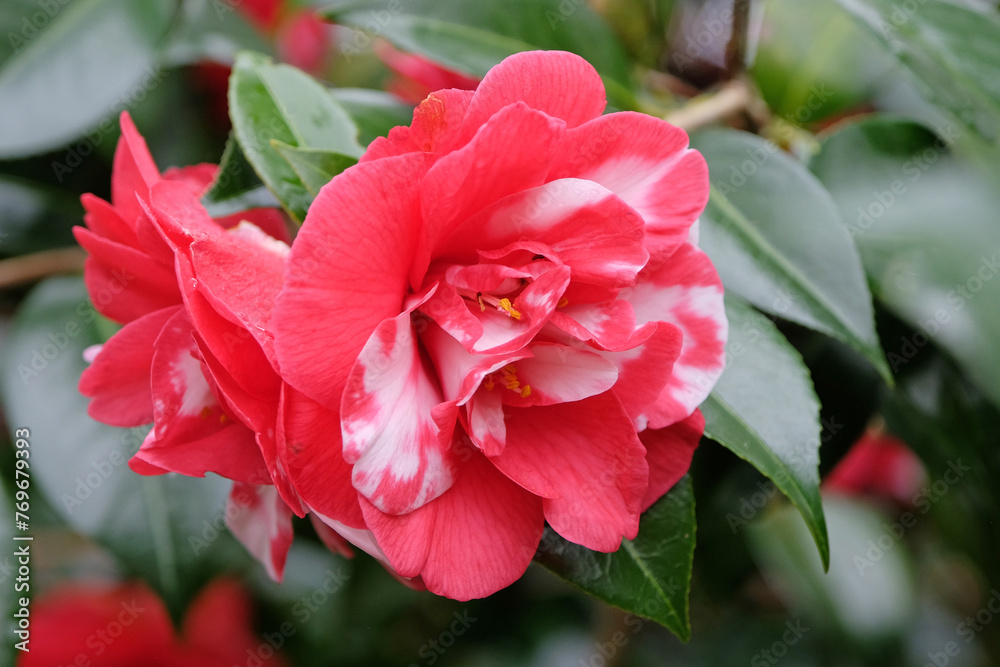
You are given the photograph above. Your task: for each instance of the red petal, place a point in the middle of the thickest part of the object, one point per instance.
(684, 289)
(646, 162)
(586, 461)
(119, 378)
(561, 84)
(262, 522)
(133, 172)
(347, 272)
(472, 541)
(668, 452)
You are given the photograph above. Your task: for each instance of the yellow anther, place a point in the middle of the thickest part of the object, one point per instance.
(206, 412)
(526, 391)
(479, 298)
(512, 383)
(510, 368)
(488, 383)
(223, 419)
(506, 306)
(563, 302)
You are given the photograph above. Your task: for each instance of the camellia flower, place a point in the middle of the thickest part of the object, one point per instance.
(499, 318)
(117, 625)
(190, 290)
(880, 466)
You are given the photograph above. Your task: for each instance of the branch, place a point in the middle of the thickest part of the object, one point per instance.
(29, 268)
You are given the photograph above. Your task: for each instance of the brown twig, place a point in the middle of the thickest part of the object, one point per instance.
(734, 97)
(29, 268)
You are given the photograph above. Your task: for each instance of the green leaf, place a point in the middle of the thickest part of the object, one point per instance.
(314, 166)
(925, 222)
(374, 112)
(953, 53)
(776, 237)
(471, 36)
(235, 177)
(765, 411)
(649, 576)
(158, 526)
(270, 102)
(67, 66)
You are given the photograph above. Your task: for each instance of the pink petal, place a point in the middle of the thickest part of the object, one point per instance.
(558, 373)
(330, 538)
(311, 452)
(646, 162)
(133, 171)
(400, 452)
(197, 176)
(435, 128)
(458, 371)
(684, 289)
(269, 220)
(262, 522)
(104, 221)
(610, 325)
(347, 272)
(118, 379)
(587, 227)
(587, 463)
(668, 452)
(561, 84)
(512, 152)
(124, 283)
(472, 541)
(487, 427)
(646, 369)
(192, 434)
(240, 273)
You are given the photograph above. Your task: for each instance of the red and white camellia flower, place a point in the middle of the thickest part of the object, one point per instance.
(191, 291)
(498, 319)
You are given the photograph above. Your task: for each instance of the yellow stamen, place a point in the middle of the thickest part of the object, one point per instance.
(506, 306)
(526, 391)
(206, 412)
(563, 302)
(479, 298)
(488, 383)
(223, 419)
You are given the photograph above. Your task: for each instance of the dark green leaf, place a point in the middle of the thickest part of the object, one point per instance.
(235, 177)
(775, 235)
(925, 222)
(764, 410)
(270, 102)
(952, 51)
(649, 576)
(314, 166)
(67, 66)
(153, 524)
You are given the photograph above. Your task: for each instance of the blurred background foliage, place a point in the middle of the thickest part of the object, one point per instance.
(888, 113)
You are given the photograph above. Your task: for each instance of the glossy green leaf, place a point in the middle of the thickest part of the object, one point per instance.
(952, 51)
(69, 65)
(471, 36)
(373, 111)
(153, 524)
(269, 102)
(649, 576)
(765, 411)
(925, 222)
(314, 166)
(775, 235)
